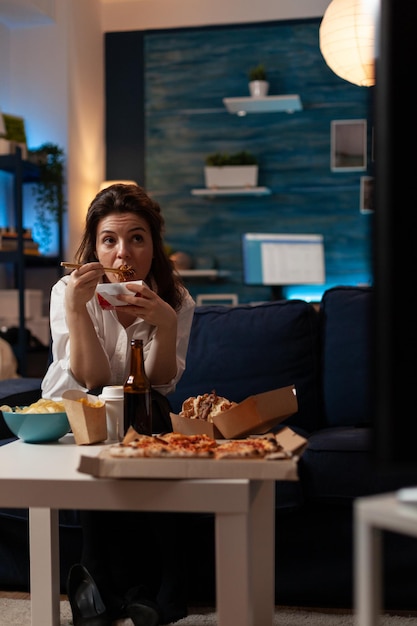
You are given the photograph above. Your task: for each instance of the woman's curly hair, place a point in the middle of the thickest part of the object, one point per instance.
(131, 198)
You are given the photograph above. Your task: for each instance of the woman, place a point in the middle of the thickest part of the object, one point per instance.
(125, 572)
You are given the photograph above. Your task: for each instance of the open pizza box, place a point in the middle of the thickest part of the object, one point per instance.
(282, 466)
(255, 415)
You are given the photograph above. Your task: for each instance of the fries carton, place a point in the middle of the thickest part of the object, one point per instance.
(254, 416)
(86, 415)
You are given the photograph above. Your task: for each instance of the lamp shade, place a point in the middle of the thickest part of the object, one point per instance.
(347, 40)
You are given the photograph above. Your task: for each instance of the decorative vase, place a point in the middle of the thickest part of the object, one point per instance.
(258, 88)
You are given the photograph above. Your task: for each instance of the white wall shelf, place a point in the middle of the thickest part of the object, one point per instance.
(232, 191)
(269, 104)
(201, 274)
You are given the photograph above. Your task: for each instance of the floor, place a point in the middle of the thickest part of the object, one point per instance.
(21, 595)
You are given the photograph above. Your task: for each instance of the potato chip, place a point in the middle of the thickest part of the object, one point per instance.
(44, 405)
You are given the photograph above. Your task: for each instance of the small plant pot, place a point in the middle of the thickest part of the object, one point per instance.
(231, 176)
(258, 88)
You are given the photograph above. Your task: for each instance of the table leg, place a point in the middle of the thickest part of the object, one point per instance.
(44, 567)
(263, 550)
(245, 561)
(368, 571)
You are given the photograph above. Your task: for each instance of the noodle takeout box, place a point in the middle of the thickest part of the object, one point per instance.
(107, 293)
(255, 415)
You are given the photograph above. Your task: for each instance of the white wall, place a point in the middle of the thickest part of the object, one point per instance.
(4, 67)
(55, 81)
(120, 15)
(86, 137)
(17, 13)
(38, 79)
(52, 73)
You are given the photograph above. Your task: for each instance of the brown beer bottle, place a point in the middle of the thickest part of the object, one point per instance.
(137, 411)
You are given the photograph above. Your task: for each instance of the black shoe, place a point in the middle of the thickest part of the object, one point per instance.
(86, 604)
(143, 614)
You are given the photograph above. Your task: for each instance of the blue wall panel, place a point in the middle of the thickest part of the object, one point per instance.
(187, 73)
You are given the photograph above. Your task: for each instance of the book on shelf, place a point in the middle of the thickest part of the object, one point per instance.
(8, 242)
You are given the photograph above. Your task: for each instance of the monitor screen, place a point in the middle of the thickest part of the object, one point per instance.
(282, 259)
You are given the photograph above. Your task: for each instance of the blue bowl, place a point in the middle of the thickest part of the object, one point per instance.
(37, 427)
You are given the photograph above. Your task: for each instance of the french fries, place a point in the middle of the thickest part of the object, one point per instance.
(95, 404)
(44, 405)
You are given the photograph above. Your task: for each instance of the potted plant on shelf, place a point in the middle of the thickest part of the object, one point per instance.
(239, 169)
(50, 203)
(258, 83)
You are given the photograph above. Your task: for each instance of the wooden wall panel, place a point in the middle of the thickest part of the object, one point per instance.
(187, 72)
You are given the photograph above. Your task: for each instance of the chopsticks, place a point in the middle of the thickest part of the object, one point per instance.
(75, 266)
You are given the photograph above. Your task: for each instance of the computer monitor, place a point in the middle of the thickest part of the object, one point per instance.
(277, 260)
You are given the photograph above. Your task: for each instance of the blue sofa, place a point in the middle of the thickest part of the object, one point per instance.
(244, 350)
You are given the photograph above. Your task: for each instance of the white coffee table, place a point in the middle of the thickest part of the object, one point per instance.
(44, 478)
(373, 516)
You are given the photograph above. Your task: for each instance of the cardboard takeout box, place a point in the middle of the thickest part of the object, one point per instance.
(107, 293)
(254, 416)
(87, 418)
(188, 426)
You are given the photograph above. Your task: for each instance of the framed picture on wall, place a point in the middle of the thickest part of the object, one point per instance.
(348, 145)
(367, 204)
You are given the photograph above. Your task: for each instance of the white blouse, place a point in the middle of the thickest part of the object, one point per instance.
(115, 340)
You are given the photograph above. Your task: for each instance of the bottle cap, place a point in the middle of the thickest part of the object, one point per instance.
(112, 392)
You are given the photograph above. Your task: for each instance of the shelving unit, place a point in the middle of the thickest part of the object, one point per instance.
(23, 172)
(241, 107)
(232, 191)
(269, 104)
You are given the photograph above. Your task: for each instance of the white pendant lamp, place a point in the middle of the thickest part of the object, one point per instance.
(347, 40)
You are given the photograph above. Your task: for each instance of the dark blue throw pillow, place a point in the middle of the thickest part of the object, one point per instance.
(17, 392)
(346, 348)
(244, 350)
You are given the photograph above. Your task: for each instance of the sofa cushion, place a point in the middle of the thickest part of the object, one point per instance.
(244, 350)
(14, 391)
(346, 353)
(14, 548)
(338, 466)
(17, 392)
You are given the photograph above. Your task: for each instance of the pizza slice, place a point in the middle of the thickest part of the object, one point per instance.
(178, 445)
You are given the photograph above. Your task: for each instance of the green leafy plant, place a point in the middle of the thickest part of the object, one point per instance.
(50, 204)
(257, 73)
(219, 159)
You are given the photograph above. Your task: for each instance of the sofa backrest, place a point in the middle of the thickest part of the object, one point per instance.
(244, 350)
(17, 392)
(346, 335)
